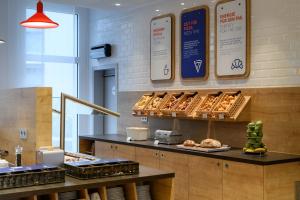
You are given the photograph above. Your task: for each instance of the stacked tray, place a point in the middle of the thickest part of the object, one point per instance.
(101, 168)
(142, 103)
(116, 193)
(41, 174)
(143, 192)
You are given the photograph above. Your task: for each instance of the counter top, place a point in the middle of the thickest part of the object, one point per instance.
(232, 155)
(72, 184)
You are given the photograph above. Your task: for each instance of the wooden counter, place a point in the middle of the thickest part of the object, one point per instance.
(232, 155)
(160, 181)
(219, 176)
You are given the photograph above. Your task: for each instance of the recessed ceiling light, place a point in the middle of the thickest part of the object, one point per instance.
(117, 4)
(157, 10)
(182, 4)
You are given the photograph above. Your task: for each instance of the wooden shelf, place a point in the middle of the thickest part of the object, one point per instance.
(102, 193)
(240, 114)
(130, 191)
(84, 188)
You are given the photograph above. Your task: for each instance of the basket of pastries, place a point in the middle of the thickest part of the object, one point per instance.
(229, 103)
(208, 103)
(168, 106)
(188, 103)
(140, 105)
(153, 106)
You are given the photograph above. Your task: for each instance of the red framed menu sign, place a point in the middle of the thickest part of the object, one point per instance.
(232, 39)
(162, 58)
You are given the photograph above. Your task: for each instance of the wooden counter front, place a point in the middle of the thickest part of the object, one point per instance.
(158, 180)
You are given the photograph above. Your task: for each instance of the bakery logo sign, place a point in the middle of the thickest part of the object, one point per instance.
(237, 64)
(198, 64)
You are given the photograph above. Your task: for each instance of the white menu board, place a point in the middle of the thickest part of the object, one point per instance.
(161, 48)
(232, 47)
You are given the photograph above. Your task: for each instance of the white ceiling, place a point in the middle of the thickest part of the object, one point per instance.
(107, 7)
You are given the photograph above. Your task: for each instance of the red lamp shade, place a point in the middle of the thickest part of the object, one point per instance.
(39, 19)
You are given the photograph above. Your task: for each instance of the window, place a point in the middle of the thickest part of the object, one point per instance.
(51, 60)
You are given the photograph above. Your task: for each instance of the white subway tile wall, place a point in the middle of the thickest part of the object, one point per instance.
(275, 44)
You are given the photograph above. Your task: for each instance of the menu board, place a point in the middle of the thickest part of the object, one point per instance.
(162, 58)
(195, 43)
(232, 39)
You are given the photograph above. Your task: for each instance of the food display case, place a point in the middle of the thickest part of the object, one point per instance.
(168, 106)
(100, 168)
(188, 103)
(141, 104)
(207, 105)
(228, 104)
(193, 105)
(33, 175)
(152, 107)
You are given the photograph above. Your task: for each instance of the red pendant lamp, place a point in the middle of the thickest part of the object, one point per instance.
(39, 19)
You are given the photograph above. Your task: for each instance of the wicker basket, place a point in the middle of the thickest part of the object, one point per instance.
(24, 178)
(155, 110)
(166, 111)
(200, 111)
(140, 109)
(191, 106)
(232, 108)
(101, 169)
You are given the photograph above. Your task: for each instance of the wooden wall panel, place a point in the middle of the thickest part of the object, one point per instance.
(278, 108)
(29, 108)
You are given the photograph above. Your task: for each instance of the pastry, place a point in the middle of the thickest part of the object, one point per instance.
(206, 107)
(210, 143)
(226, 102)
(154, 103)
(172, 102)
(189, 143)
(142, 102)
(185, 104)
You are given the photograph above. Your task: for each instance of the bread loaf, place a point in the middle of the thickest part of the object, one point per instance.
(210, 143)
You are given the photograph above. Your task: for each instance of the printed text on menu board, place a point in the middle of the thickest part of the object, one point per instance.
(161, 49)
(231, 38)
(194, 43)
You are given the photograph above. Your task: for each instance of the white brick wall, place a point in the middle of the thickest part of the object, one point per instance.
(275, 46)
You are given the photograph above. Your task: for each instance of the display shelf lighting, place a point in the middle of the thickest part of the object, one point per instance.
(39, 19)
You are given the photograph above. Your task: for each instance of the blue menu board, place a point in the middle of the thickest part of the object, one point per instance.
(195, 43)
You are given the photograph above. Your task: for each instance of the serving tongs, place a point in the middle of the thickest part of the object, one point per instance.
(218, 94)
(237, 93)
